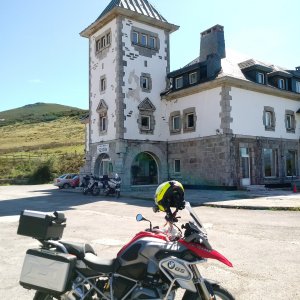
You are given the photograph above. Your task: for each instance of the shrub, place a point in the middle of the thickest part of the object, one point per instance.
(42, 174)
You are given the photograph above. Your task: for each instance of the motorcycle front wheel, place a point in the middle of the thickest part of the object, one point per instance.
(95, 191)
(219, 292)
(43, 296)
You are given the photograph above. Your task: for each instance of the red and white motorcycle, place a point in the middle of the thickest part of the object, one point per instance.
(154, 265)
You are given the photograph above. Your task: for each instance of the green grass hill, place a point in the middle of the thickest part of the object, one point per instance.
(38, 112)
(41, 134)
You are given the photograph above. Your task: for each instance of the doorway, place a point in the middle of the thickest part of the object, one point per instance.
(144, 170)
(245, 166)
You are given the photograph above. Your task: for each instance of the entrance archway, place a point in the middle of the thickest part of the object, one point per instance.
(144, 170)
(104, 166)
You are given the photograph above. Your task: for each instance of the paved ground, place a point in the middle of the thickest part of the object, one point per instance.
(263, 245)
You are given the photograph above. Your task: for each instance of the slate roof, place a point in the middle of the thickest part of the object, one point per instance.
(140, 6)
(251, 63)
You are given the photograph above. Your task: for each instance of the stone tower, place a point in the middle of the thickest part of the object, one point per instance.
(128, 63)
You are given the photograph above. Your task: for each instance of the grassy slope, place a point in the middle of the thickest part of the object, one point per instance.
(47, 135)
(60, 133)
(38, 112)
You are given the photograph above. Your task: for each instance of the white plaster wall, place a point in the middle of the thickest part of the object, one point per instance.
(207, 105)
(87, 137)
(247, 113)
(98, 68)
(156, 66)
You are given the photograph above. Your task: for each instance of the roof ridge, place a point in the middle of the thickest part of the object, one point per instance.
(143, 7)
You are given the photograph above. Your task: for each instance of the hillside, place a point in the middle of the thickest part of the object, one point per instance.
(38, 112)
(29, 140)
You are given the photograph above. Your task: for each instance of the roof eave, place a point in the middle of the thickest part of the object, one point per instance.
(95, 26)
(234, 82)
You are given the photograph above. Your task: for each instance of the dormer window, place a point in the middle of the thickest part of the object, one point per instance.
(193, 77)
(281, 84)
(260, 78)
(179, 82)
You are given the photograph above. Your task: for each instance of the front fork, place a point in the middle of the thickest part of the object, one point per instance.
(203, 287)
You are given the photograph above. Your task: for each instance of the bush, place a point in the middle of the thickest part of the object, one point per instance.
(42, 174)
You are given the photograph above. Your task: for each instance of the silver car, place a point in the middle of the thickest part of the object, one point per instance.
(64, 181)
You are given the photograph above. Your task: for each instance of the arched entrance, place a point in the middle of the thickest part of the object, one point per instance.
(144, 170)
(104, 166)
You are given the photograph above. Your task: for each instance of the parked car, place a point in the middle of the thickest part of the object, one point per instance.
(75, 181)
(64, 181)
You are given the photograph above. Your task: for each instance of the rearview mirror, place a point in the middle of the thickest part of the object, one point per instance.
(139, 217)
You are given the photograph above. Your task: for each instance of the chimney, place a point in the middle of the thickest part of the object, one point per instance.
(212, 43)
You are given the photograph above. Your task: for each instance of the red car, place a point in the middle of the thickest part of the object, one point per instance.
(75, 181)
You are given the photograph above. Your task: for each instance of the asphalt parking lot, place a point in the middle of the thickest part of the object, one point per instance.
(263, 245)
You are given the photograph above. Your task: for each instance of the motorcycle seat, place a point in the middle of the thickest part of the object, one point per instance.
(103, 266)
(78, 249)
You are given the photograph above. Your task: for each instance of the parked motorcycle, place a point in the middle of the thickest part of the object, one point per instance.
(153, 265)
(92, 185)
(113, 186)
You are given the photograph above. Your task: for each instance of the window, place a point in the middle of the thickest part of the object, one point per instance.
(270, 163)
(189, 117)
(102, 84)
(291, 163)
(103, 41)
(281, 84)
(102, 111)
(297, 86)
(193, 77)
(135, 37)
(176, 123)
(260, 77)
(269, 118)
(190, 121)
(102, 123)
(145, 122)
(177, 168)
(98, 45)
(145, 83)
(108, 39)
(290, 121)
(152, 42)
(146, 119)
(179, 82)
(144, 40)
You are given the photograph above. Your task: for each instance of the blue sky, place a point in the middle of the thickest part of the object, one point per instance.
(43, 58)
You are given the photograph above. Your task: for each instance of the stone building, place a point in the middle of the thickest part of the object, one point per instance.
(221, 120)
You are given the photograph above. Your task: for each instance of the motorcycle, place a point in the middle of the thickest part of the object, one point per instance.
(113, 187)
(153, 265)
(92, 185)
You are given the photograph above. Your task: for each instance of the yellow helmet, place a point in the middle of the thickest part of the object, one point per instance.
(169, 194)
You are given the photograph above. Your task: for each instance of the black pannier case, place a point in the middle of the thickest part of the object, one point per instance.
(47, 271)
(40, 225)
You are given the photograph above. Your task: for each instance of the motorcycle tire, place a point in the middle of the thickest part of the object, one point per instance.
(43, 296)
(219, 294)
(95, 191)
